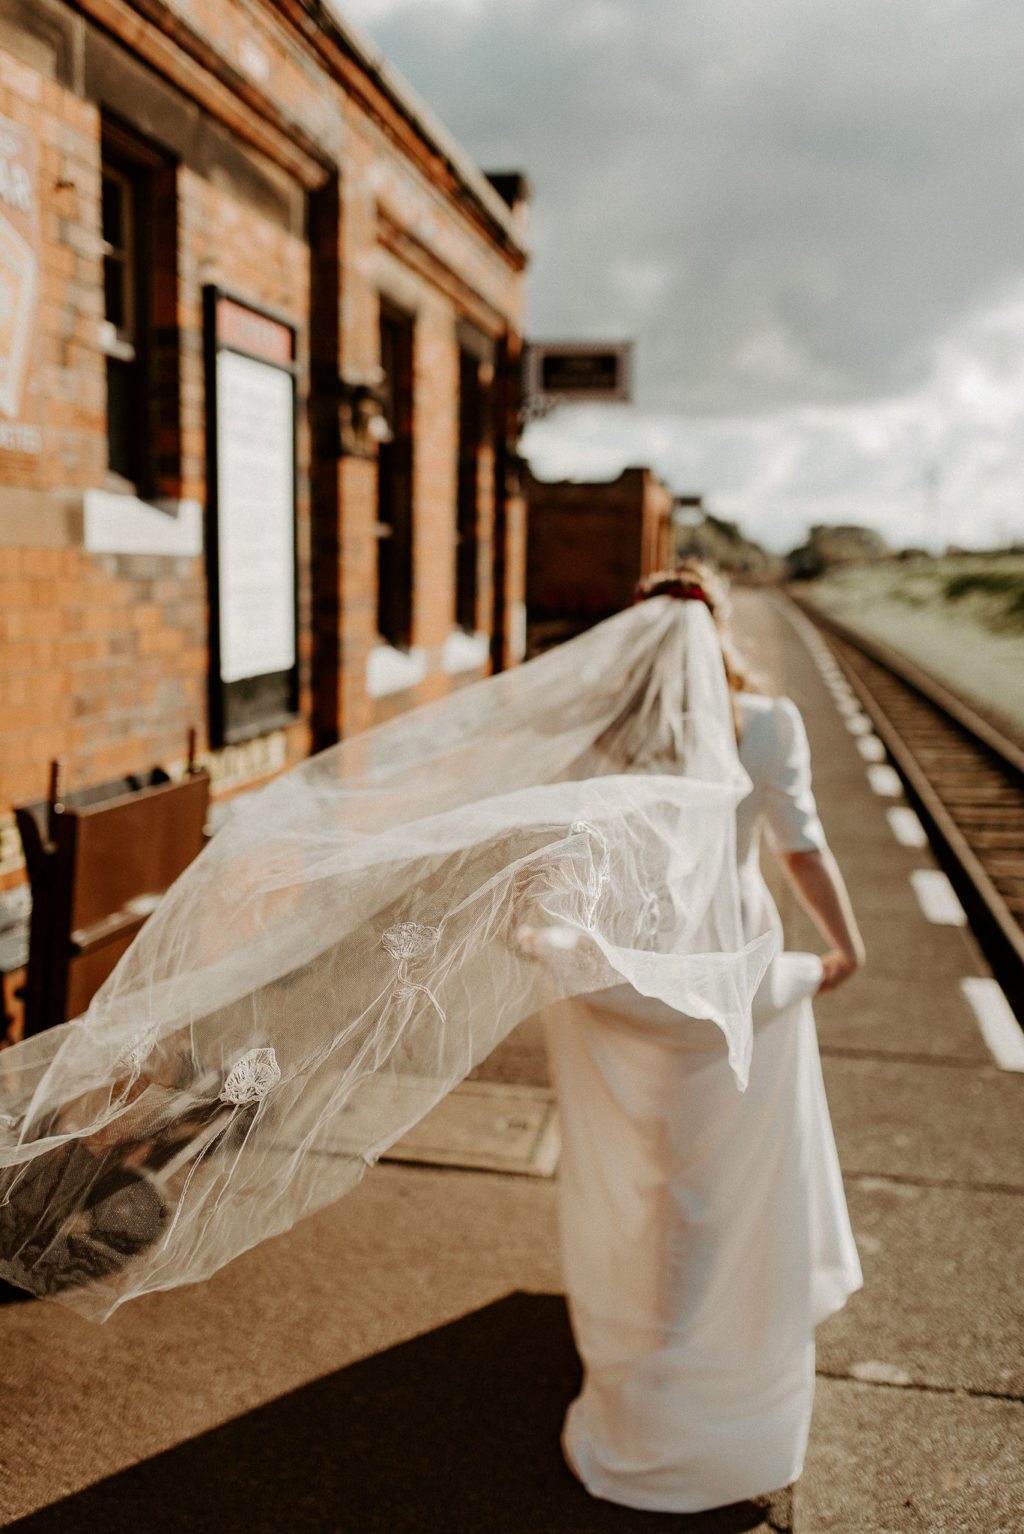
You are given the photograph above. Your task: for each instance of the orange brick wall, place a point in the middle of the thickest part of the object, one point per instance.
(589, 544)
(67, 384)
(104, 657)
(102, 662)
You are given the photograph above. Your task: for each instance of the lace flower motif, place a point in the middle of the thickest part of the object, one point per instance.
(251, 1077)
(133, 1056)
(409, 940)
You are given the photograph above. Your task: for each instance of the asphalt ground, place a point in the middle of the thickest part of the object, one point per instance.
(402, 1361)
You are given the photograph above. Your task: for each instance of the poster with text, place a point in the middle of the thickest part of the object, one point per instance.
(256, 517)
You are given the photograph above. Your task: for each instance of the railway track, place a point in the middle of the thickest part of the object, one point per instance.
(965, 779)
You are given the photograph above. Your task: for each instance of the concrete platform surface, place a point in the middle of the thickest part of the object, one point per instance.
(402, 1361)
(919, 1417)
(892, 1460)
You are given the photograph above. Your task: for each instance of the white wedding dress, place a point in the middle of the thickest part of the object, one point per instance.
(704, 1229)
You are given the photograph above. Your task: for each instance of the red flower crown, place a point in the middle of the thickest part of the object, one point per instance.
(683, 590)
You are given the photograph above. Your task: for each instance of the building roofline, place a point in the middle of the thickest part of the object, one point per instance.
(423, 120)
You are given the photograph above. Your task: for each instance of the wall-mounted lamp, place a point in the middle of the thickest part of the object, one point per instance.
(362, 414)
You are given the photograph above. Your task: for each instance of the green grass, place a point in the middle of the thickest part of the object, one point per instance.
(1000, 594)
(960, 617)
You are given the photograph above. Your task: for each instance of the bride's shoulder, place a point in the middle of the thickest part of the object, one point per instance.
(768, 719)
(757, 707)
(765, 705)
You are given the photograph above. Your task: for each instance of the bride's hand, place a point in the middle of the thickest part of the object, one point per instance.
(527, 942)
(545, 942)
(837, 967)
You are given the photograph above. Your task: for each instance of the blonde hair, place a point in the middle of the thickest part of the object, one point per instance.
(693, 580)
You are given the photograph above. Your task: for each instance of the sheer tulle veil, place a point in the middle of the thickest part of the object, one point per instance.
(361, 933)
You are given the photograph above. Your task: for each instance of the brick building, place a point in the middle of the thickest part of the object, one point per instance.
(589, 544)
(260, 324)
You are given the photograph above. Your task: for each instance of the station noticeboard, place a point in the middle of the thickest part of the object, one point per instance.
(250, 371)
(578, 372)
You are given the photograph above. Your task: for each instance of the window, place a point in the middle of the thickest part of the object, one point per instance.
(394, 482)
(468, 522)
(125, 360)
(139, 234)
(476, 470)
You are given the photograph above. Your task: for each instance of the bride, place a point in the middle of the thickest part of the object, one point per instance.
(704, 1230)
(579, 837)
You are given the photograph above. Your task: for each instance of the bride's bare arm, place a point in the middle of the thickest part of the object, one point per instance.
(816, 878)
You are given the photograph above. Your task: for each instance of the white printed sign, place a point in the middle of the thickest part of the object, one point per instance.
(256, 517)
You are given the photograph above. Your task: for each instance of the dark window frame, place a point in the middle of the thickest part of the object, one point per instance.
(395, 527)
(467, 521)
(475, 439)
(142, 363)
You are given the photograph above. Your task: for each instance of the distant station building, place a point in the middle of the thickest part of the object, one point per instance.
(260, 330)
(589, 544)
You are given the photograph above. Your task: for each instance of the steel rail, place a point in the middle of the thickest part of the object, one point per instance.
(997, 928)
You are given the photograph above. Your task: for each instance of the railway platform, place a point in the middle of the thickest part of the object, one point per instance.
(400, 1364)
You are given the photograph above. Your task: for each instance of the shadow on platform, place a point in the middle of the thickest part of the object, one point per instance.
(10, 1294)
(454, 1432)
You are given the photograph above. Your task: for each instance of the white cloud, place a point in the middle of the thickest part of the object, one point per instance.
(940, 464)
(807, 215)
(641, 282)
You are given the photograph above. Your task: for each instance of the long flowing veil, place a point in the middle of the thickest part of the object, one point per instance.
(360, 934)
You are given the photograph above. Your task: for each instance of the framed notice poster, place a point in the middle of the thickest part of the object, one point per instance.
(250, 371)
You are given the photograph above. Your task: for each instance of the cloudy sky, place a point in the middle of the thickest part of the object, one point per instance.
(809, 215)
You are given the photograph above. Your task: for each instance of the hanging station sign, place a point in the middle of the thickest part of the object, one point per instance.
(251, 493)
(577, 372)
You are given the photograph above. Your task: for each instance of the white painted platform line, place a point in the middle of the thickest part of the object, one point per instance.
(1000, 1029)
(937, 898)
(906, 827)
(871, 748)
(885, 780)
